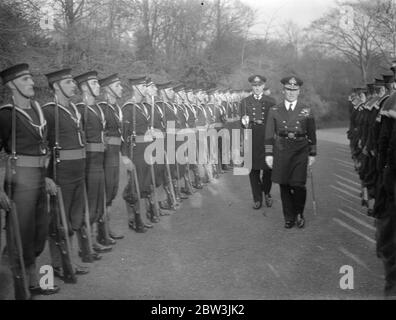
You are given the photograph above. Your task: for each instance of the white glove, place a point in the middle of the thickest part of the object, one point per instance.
(269, 160)
(50, 186)
(311, 160)
(128, 163)
(245, 121)
(392, 113)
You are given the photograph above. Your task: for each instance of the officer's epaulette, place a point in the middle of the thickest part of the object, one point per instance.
(48, 104)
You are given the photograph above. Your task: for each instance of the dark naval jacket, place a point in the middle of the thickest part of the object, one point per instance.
(257, 111)
(290, 138)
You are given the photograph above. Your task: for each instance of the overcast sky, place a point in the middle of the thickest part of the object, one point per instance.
(302, 12)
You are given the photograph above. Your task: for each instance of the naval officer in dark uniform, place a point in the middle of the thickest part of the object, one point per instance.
(254, 113)
(290, 147)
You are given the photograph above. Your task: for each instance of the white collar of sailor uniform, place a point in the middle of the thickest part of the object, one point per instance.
(293, 104)
(41, 126)
(257, 97)
(116, 109)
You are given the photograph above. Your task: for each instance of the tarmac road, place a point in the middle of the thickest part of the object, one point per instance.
(217, 247)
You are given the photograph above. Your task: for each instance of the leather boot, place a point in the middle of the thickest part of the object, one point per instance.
(208, 173)
(197, 178)
(85, 252)
(152, 213)
(139, 225)
(166, 204)
(104, 233)
(215, 171)
(170, 202)
(112, 234)
(188, 189)
(135, 221)
(179, 196)
(219, 169)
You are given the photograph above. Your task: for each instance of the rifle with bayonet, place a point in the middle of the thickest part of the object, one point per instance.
(202, 114)
(86, 235)
(174, 204)
(139, 224)
(154, 199)
(177, 186)
(59, 227)
(13, 235)
(103, 222)
(187, 177)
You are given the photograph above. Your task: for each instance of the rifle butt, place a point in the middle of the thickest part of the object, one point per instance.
(15, 253)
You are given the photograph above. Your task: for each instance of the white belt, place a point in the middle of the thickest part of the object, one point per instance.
(141, 139)
(31, 161)
(202, 128)
(95, 147)
(116, 141)
(74, 154)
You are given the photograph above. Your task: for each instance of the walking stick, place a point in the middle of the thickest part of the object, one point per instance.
(313, 192)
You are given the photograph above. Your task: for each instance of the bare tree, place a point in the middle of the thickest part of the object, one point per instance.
(384, 15)
(356, 42)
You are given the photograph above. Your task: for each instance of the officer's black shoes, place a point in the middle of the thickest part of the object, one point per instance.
(300, 221)
(98, 248)
(257, 205)
(268, 200)
(116, 236)
(289, 224)
(37, 290)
